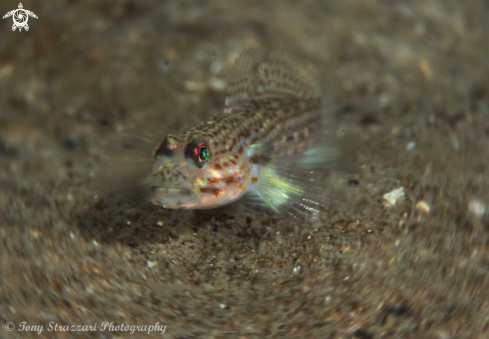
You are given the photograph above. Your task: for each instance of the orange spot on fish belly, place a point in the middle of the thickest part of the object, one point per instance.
(229, 180)
(254, 180)
(212, 190)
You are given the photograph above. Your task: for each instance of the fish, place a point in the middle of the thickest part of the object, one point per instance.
(270, 147)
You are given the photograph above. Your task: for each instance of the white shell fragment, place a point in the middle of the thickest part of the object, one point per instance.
(151, 263)
(392, 197)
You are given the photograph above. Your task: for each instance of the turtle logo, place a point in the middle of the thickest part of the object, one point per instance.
(20, 16)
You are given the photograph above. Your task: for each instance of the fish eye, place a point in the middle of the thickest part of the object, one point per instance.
(198, 150)
(203, 153)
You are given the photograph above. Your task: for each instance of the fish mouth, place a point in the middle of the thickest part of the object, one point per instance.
(174, 197)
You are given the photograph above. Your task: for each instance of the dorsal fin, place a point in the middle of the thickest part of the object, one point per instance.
(241, 86)
(281, 77)
(277, 76)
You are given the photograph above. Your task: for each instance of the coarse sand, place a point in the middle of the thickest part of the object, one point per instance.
(412, 78)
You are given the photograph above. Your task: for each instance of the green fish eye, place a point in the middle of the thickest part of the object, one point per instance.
(203, 154)
(198, 151)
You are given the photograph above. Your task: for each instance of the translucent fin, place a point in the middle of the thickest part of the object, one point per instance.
(250, 204)
(281, 77)
(241, 86)
(125, 170)
(125, 156)
(277, 76)
(307, 183)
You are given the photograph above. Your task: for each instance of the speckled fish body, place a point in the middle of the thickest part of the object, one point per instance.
(267, 142)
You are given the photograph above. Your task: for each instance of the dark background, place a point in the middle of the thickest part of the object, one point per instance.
(410, 71)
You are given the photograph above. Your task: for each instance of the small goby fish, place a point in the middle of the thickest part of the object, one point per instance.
(269, 143)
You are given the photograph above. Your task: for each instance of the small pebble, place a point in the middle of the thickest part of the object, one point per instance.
(217, 84)
(410, 146)
(151, 263)
(477, 208)
(194, 86)
(423, 207)
(384, 99)
(6, 70)
(208, 288)
(425, 68)
(353, 182)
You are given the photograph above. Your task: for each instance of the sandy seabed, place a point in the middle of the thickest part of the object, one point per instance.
(415, 78)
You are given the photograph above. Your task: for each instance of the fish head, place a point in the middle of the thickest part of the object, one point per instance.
(187, 175)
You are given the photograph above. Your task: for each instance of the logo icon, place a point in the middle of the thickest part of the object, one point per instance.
(20, 16)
